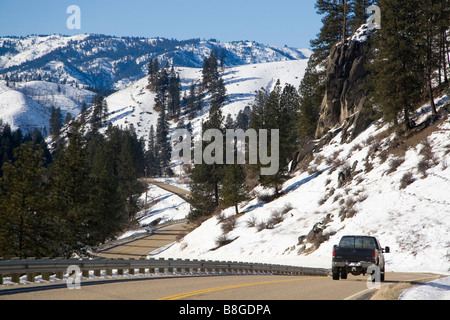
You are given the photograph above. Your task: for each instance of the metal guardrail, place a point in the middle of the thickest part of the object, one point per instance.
(17, 268)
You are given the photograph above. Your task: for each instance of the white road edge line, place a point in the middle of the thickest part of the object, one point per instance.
(386, 284)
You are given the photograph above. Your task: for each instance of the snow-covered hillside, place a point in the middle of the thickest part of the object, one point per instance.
(135, 104)
(113, 63)
(390, 195)
(27, 105)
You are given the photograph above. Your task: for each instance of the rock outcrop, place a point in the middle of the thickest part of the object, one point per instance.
(343, 105)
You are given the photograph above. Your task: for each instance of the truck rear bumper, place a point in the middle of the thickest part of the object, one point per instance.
(355, 268)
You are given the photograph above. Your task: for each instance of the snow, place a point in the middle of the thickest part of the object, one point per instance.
(27, 105)
(434, 290)
(414, 222)
(34, 47)
(134, 105)
(164, 205)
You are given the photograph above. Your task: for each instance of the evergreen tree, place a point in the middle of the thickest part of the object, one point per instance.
(71, 189)
(243, 119)
(210, 71)
(55, 121)
(335, 25)
(130, 168)
(67, 118)
(278, 110)
(99, 112)
(191, 105)
(152, 161)
(164, 149)
(218, 92)
(397, 70)
(309, 104)
(23, 204)
(174, 98)
(206, 179)
(432, 25)
(234, 189)
(106, 204)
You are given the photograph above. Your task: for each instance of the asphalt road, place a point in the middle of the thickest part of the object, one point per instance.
(139, 248)
(197, 287)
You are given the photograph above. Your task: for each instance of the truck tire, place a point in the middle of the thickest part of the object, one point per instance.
(335, 273)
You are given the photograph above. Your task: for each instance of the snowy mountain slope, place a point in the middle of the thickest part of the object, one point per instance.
(27, 105)
(113, 63)
(414, 221)
(17, 109)
(135, 104)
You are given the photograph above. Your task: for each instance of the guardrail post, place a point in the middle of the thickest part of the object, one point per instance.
(120, 271)
(59, 274)
(131, 269)
(194, 269)
(31, 275)
(142, 270)
(109, 272)
(179, 269)
(163, 269)
(170, 269)
(151, 270)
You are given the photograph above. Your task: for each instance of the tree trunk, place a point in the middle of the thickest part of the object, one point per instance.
(344, 27)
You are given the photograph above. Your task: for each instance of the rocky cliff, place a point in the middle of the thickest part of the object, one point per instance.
(343, 105)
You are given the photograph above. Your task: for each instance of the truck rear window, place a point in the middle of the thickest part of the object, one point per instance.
(358, 242)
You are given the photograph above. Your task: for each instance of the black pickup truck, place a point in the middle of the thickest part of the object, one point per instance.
(357, 254)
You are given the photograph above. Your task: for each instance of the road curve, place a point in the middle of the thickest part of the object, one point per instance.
(204, 287)
(141, 247)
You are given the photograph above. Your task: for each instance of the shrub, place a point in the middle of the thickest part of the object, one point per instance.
(406, 180)
(229, 224)
(223, 240)
(394, 164)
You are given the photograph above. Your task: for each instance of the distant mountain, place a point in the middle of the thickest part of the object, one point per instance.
(112, 63)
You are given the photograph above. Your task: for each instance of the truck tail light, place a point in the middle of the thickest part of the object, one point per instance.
(373, 254)
(334, 253)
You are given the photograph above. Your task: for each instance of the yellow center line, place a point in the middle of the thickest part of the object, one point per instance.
(194, 293)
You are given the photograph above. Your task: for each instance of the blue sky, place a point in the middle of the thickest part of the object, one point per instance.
(275, 22)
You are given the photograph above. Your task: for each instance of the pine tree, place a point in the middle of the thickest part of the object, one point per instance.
(191, 102)
(174, 97)
(206, 179)
(210, 71)
(106, 203)
(152, 161)
(164, 149)
(23, 204)
(275, 114)
(431, 25)
(55, 121)
(279, 110)
(234, 189)
(335, 26)
(130, 168)
(218, 92)
(99, 112)
(310, 101)
(397, 71)
(71, 189)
